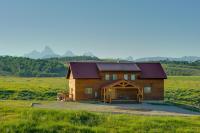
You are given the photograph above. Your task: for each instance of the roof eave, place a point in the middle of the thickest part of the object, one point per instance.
(86, 78)
(119, 71)
(68, 72)
(153, 78)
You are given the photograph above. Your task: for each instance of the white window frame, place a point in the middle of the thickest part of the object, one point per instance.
(114, 77)
(95, 94)
(147, 89)
(107, 76)
(88, 90)
(126, 76)
(133, 77)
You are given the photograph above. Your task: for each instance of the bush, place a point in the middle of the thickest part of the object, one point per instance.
(27, 95)
(6, 94)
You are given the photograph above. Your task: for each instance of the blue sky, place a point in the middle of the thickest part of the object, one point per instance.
(108, 28)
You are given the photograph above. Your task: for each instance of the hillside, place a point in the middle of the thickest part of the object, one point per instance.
(184, 58)
(57, 67)
(181, 68)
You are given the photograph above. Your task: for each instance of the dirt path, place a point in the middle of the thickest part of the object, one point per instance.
(137, 109)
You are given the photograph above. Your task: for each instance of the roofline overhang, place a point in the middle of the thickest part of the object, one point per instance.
(68, 72)
(118, 71)
(152, 78)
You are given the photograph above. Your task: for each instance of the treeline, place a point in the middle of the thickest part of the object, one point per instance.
(57, 67)
(26, 67)
(74, 58)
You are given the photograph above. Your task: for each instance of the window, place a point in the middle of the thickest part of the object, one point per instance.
(107, 77)
(88, 90)
(132, 76)
(126, 76)
(114, 76)
(95, 94)
(147, 89)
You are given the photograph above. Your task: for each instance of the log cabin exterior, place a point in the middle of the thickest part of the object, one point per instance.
(111, 82)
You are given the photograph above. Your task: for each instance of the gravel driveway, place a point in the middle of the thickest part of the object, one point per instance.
(137, 109)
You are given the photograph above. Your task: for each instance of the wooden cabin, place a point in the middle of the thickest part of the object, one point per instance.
(111, 82)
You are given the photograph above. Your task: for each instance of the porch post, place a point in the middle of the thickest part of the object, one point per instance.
(110, 91)
(104, 96)
(101, 94)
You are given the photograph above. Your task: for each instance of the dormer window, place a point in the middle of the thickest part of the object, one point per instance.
(114, 76)
(107, 77)
(126, 76)
(132, 76)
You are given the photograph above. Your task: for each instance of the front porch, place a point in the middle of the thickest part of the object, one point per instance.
(121, 91)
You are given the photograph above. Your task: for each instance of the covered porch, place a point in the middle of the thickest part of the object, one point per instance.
(121, 91)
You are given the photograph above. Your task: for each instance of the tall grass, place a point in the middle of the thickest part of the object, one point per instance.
(19, 119)
(17, 88)
(183, 90)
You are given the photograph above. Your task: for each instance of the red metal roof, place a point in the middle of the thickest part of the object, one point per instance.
(118, 67)
(84, 70)
(90, 70)
(152, 71)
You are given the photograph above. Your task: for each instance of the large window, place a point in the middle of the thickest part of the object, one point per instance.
(114, 76)
(107, 77)
(147, 89)
(126, 76)
(88, 90)
(132, 76)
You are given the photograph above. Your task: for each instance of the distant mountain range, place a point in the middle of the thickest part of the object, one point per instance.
(49, 53)
(184, 58)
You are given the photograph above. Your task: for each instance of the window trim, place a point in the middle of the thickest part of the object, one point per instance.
(114, 75)
(132, 76)
(127, 76)
(107, 76)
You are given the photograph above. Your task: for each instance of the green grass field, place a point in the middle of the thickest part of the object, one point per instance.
(183, 90)
(19, 117)
(33, 84)
(179, 89)
(182, 82)
(17, 88)
(16, 114)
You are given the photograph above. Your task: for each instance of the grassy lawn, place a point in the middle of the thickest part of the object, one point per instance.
(179, 89)
(19, 117)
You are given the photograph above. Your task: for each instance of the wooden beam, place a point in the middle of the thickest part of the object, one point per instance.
(125, 87)
(101, 94)
(110, 95)
(104, 96)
